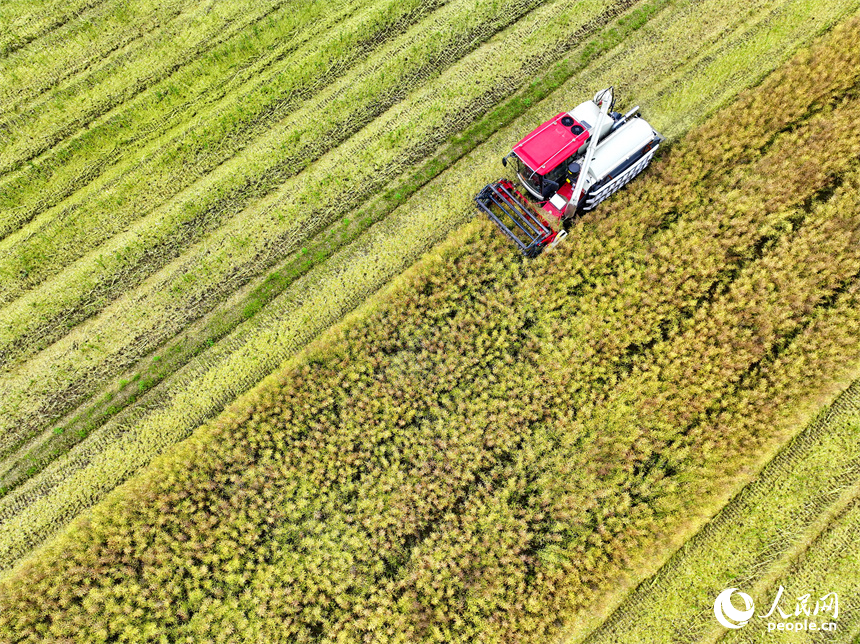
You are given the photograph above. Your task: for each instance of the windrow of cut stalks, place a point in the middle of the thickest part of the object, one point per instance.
(269, 229)
(22, 22)
(78, 48)
(451, 468)
(200, 113)
(180, 120)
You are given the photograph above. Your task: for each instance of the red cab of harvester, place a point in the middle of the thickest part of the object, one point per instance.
(567, 166)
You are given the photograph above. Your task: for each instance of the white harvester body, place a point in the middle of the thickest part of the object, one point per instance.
(568, 165)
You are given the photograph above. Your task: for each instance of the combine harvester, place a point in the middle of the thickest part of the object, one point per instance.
(563, 176)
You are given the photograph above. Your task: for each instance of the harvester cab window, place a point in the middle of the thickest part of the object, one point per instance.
(532, 179)
(558, 174)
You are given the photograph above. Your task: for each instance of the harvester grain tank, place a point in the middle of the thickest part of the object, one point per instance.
(566, 167)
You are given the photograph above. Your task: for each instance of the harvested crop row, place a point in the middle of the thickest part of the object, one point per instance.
(829, 565)
(77, 47)
(252, 241)
(291, 551)
(127, 72)
(284, 146)
(20, 25)
(442, 203)
(140, 127)
(749, 537)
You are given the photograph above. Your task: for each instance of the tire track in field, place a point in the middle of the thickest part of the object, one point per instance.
(14, 97)
(252, 73)
(813, 439)
(13, 43)
(825, 563)
(245, 191)
(17, 155)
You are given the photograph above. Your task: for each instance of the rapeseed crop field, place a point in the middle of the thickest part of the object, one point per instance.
(264, 376)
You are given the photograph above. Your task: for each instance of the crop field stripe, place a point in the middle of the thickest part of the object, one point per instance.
(279, 223)
(64, 56)
(175, 134)
(767, 517)
(829, 563)
(221, 322)
(40, 79)
(46, 123)
(85, 156)
(20, 29)
(195, 388)
(33, 253)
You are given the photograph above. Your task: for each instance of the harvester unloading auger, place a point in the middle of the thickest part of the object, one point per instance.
(562, 176)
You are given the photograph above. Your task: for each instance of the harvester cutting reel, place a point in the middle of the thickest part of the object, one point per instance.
(512, 213)
(564, 172)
